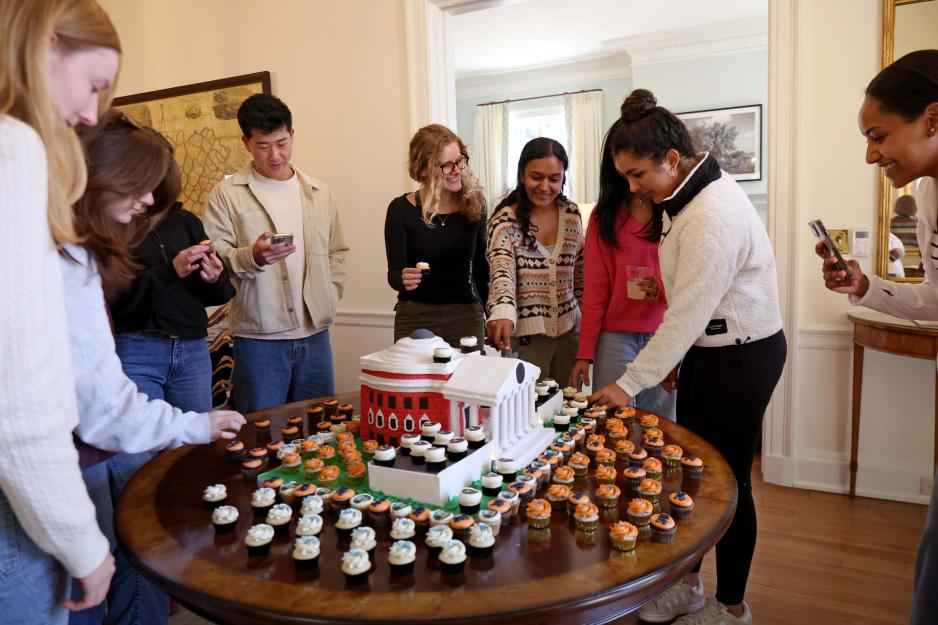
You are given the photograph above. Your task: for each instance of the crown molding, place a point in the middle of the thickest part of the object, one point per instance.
(695, 42)
(549, 75)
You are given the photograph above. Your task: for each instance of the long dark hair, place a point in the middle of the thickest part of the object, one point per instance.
(646, 130)
(541, 147)
(908, 85)
(124, 159)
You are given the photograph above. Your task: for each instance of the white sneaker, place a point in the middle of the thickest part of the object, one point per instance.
(679, 599)
(714, 613)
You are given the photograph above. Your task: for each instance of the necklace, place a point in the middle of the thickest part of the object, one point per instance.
(443, 219)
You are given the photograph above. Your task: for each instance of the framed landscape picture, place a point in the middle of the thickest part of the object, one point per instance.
(732, 135)
(200, 120)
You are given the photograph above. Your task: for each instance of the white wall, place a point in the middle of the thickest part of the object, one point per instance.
(833, 182)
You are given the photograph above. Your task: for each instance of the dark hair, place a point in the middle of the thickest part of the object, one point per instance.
(908, 85)
(124, 160)
(265, 113)
(541, 147)
(614, 198)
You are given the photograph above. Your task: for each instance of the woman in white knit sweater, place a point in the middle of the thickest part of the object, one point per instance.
(723, 320)
(899, 119)
(59, 57)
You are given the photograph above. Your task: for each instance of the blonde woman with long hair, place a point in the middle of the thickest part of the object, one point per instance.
(443, 225)
(58, 63)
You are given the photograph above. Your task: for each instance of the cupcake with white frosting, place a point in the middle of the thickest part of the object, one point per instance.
(435, 459)
(364, 538)
(453, 557)
(440, 517)
(278, 517)
(406, 441)
(437, 536)
(418, 450)
(349, 519)
(506, 468)
(400, 510)
(428, 430)
(214, 496)
(481, 541)
(356, 565)
(442, 354)
(456, 449)
(262, 500)
(306, 552)
(468, 344)
(442, 438)
(469, 500)
(475, 435)
(309, 525)
(258, 540)
(312, 504)
(492, 518)
(224, 518)
(385, 455)
(403, 529)
(492, 484)
(401, 557)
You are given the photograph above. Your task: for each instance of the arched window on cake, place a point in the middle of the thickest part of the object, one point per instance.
(392, 422)
(371, 417)
(409, 423)
(380, 421)
(424, 419)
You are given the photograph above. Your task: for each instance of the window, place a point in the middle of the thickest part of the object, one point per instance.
(380, 399)
(371, 417)
(408, 403)
(408, 423)
(392, 423)
(543, 117)
(465, 412)
(380, 421)
(371, 396)
(392, 401)
(424, 403)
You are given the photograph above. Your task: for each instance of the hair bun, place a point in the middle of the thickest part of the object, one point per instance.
(637, 104)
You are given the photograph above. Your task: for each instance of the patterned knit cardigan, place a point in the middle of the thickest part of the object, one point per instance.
(536, 290)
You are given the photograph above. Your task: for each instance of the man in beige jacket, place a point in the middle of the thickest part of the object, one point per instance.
(288, 286)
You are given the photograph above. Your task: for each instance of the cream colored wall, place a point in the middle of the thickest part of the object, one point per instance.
(838, 49)
(340, 66)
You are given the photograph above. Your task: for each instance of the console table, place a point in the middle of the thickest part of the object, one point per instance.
(892, 335)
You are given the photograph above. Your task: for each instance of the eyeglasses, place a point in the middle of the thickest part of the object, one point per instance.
(449, 166)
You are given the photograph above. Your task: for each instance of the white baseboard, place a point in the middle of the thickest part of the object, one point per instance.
(778, 469)
(830, 472)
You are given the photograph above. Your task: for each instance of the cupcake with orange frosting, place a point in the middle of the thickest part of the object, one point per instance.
(291, 464)
(653, 432)
(329, 476)
(648, 421)
(538, 513)
(606, 457)
(633, 477)
(650, 490)
(605, 474)
(311, 469)
(654, 446)
(326, 453)
(672, 454)
(557, 495)
(501, 506)
(342, 497)
(308, 447)
(586, 517)
(682, 506)
(461, 524)
(652, 468)
(579, 463)
(623, 536)
(617, 433)
(692, 466)
(355, 472)
(623, 449)
(262, 428)
(252, 467)
(421, 518)
(234, 451)
(637, 456)
(663, 528)
(563, 447)
(626, 413)
(640, 511)
(575, 499)
(613, 423)
(608, 495)
(368, 449)
(289, 432)
(563, 475)
(352, 456)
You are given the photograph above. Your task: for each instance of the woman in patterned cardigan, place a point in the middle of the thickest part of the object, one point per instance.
(535, 254)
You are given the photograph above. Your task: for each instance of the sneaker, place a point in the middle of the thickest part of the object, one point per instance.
(677, 600)
(713, 613)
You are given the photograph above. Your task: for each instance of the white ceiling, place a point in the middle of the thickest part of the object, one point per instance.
(536, 32)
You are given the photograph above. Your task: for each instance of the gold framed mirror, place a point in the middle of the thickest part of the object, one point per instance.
(907, 25)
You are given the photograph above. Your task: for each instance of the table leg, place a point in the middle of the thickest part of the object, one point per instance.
(855, 426)
(935, 454)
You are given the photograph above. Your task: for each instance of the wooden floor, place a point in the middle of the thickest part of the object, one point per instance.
(821, 558)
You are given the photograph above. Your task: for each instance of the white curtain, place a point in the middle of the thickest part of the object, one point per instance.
(490, 149)
(584, 112)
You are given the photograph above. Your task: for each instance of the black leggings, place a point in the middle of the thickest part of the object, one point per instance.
(722, 396)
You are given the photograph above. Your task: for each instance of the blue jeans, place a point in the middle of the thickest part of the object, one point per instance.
(178, 371)
(271, 372)
(614, 352)
(32, 583)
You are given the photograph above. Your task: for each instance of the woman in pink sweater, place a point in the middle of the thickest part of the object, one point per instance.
(617, 323)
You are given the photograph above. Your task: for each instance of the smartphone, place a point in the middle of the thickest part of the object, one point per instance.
(817, 227)
(282, 237)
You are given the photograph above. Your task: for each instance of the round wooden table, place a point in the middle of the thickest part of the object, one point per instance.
(551, 576)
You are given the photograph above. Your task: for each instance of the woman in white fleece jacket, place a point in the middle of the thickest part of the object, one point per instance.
(133, 180)
(57, 58)
(899, 119)
(723, 320)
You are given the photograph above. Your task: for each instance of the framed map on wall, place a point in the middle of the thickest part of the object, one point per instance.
(200, 120)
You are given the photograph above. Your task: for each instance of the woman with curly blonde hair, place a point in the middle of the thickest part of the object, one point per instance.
(435, 242)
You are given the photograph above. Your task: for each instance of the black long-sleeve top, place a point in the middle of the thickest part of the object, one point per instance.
(454, 247)
(159, 300)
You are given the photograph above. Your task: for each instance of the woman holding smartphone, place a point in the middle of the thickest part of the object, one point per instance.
(59, 59)
(723, 320)
(133, 181)
(442, 226)
(899, 118)
(536, 258)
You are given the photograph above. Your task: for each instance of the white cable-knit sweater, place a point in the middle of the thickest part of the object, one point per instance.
(37, 398)
(718, 271)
